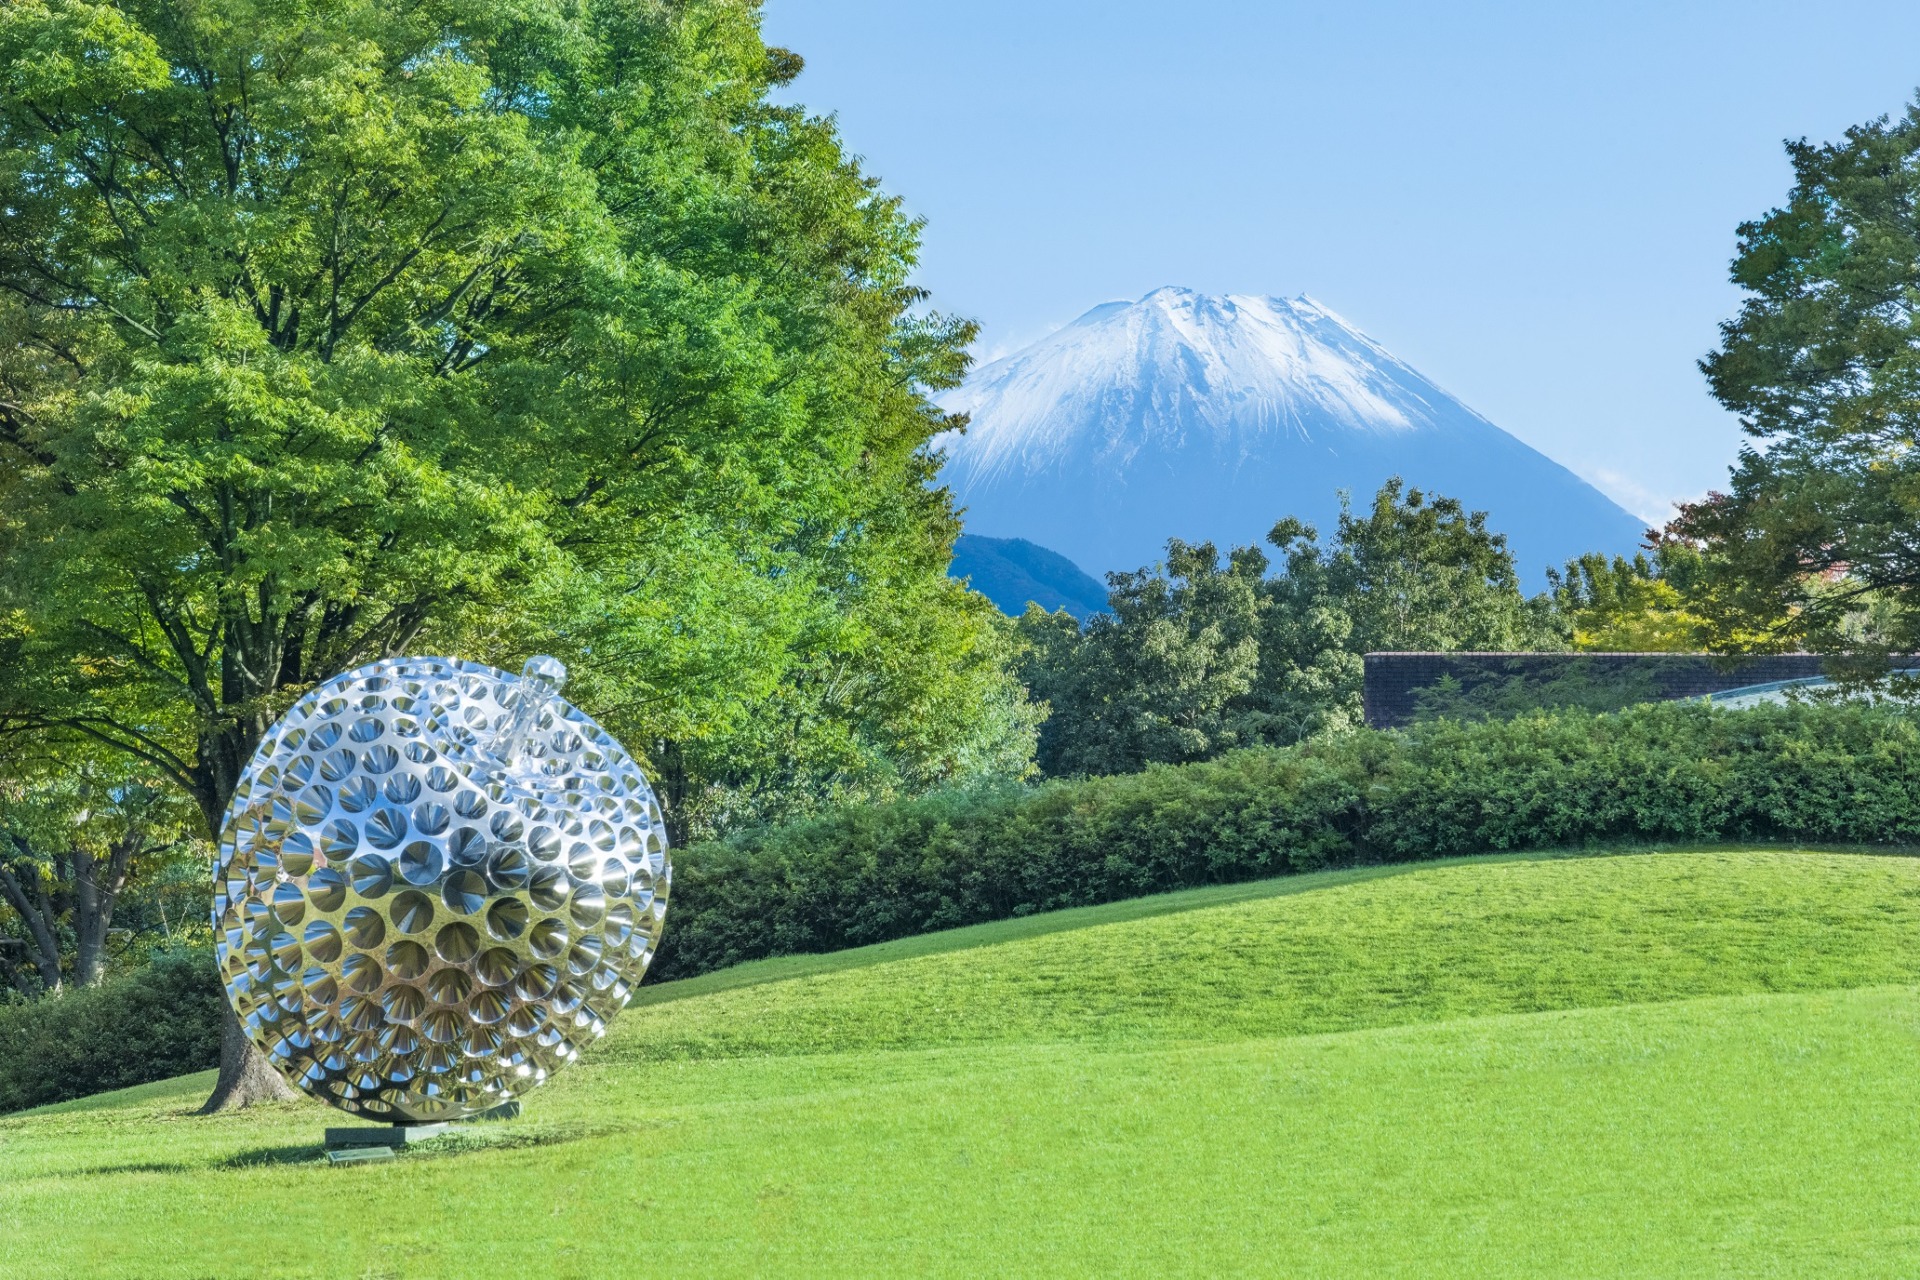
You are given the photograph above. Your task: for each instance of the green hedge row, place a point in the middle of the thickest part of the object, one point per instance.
(1669, 772)
(1665, 772)
(158, 1021)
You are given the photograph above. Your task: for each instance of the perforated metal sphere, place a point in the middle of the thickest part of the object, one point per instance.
(435, 883)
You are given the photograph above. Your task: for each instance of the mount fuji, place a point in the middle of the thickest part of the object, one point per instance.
(1209, 418)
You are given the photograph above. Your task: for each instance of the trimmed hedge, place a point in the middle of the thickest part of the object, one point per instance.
(1664, 772)
(159, 1021)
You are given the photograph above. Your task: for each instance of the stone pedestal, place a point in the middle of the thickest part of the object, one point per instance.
(386, 1135)
(359, 1155)
(356, 1143)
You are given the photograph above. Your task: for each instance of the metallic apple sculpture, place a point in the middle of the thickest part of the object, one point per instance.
(435, 883)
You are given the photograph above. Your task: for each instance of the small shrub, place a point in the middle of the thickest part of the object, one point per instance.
(159, 1021)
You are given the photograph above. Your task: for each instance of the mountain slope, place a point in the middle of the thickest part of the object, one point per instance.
(1012, 572)
(1211, 418)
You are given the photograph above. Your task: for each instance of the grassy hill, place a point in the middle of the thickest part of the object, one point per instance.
(1660, 1064)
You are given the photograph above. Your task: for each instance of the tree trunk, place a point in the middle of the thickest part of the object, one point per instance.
(246, 1077)
(90, 934)
(96, 888)
(36, 912)
(671, 788)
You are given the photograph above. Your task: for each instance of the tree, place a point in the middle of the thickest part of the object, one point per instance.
(1310, 671)
(1630, 606)
(75, 831)
(891, 678)
(1417, 572)
(1194, 658)
(336, 329)
(1158, 677)
(1813, 543)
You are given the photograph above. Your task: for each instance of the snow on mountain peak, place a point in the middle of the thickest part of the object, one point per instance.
(1198, 416)
(1180, 367)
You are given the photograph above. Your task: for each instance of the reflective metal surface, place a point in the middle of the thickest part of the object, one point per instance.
(435, 883)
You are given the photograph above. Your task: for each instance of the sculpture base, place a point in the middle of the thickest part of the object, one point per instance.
(386, 1135)
(376, 1142)
(358, 1155)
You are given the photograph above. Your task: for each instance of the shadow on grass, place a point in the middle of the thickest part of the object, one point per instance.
(145, 1166)
(259, 1156)
(491, 1137)
(306, 1153)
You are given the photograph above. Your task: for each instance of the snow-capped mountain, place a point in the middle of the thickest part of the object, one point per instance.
(1183, 415)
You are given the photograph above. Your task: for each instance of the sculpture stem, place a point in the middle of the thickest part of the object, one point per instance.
(540, 680)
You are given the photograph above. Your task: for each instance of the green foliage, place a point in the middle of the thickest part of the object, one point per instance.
(1419, 572)
(156, 1021)
(84, 830)
(1311, 655)
(1812, 543)
(1504, 692)
(860, 671)
(1672, 771)
(1195, 658)
(1162, 676)
(907, 685)
(329, 331)
(957, 857)
(1665, 771)
(1632, 606)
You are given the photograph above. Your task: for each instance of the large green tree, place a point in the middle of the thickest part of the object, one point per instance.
(1415, 570)
(1814, 542)
(78, 830)
(335, 328)
(1197, 656)
(1160, 676)
(859, 672)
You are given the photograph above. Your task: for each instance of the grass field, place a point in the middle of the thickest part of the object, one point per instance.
(1681, 1063)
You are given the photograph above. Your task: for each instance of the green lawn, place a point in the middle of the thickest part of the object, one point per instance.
(1668, 1064)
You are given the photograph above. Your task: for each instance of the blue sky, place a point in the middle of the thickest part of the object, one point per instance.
(1534, 204)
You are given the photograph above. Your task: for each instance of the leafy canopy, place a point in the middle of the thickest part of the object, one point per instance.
(1197, 657)
(1161, 676)
(335, 328)
(1813, 543)
(84, 832)
(1640, 605)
